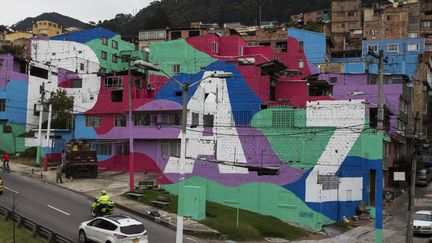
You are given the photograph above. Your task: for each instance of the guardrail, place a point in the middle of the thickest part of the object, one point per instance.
(36, 229)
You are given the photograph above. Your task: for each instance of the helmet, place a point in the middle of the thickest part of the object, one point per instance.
(103, 192)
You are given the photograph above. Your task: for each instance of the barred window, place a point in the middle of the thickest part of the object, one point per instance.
(195, 119)
(113, 82)
(103, 149)
(120, 121)
(283, 118)
(2, 105)
(122, 149)
(170, 148)
(208, 120)
(171, 118)
(142, 119)
(93, 121)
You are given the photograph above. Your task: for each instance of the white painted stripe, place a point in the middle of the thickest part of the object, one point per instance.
(191, 239)
(63, 212)
(12, 190)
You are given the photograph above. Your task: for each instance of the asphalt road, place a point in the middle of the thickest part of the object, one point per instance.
(62, 211)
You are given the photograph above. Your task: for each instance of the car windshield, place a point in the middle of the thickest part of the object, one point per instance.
(421, 173)
(423, 217)
(132, 229)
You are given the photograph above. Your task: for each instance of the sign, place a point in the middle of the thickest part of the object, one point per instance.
(399, 176)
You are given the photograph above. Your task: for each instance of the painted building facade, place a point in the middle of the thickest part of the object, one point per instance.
(231, 121)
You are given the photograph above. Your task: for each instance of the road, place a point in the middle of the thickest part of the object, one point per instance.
(399, 215)
(62, 211)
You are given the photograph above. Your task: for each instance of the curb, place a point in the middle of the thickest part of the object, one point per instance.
(143, 215)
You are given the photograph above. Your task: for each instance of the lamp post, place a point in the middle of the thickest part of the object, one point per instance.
(185, 88)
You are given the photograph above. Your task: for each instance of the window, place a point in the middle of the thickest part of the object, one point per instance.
(152, 35)
(352, 13)
(301, 45)
(171, 118)
(125, 58)
(208, 120)
(82, 67)
(333, 80)
(104, 41)
(114, 58)
(104, 55)
(122, 149)
(145, 119)
(170, 148)
(413, 19)
(117, 95)
(138, 83)
(389, 17)
(412, 35)
(413, 47)
(301, 63)
(114, 44)
(193, 33)
(373, 47)
(175, 35)
(76, 83)
(215, 47)
(103, 149)
(120, 121)
(176, 68)
(426, 24)
(2, 105)
(241, 50)
(195, 119)
(39, 72)
(115, 82)
(373, 32)
(392, 48)
(93, 121)
(341, 14)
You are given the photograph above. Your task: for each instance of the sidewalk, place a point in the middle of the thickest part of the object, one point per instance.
(115, 183)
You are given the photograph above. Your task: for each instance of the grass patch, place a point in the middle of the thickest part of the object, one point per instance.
(252, 226)
(22, 235)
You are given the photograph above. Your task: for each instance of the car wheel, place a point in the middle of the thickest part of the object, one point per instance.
(82, 236)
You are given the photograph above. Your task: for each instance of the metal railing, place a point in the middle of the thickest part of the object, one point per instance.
(36, 229)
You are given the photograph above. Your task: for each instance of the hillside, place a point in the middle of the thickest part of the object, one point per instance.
(180, 13)
(63, 20)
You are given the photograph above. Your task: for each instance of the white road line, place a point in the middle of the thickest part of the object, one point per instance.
(12, 190)
(191, 239)
(63, 212)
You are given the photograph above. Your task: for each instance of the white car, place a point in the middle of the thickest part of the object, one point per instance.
(113, 229)
(422, 222)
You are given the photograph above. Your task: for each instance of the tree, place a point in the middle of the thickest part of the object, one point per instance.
(62, 108)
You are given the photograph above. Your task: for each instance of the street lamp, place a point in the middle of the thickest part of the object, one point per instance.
(185, 88)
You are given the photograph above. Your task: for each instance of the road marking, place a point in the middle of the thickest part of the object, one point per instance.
(63, 212)
(12, 190)
(191, 239)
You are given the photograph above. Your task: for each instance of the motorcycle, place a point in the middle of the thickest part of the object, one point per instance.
(106, 209)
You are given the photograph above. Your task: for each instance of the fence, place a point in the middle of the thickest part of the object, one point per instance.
(36, 229)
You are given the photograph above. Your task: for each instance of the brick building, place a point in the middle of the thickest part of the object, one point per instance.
(346, 24)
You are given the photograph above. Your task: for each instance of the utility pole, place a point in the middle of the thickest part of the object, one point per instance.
(380, 117)
(131, 140)
(409, 235)
(39, 147)
(48, 132)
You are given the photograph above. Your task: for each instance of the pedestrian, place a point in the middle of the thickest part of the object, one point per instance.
(6, 160)
(59, 173)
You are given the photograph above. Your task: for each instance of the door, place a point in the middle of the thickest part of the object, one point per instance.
(372, 187)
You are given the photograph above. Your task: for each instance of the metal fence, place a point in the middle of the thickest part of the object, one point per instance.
(36, 229)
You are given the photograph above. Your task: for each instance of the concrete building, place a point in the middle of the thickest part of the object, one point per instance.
(317, 44)
(46, 28)
(17, 35)
(346, 23)
(232, 121)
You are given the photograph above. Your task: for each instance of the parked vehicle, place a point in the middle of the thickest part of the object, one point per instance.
(114, 229)
(105, 210)
(423, 176)
(1, 186)
(80, 160)
(422, 222)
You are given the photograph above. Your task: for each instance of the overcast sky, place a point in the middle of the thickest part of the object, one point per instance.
(84, 10)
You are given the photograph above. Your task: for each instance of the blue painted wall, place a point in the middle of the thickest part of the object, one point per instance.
(314, 44)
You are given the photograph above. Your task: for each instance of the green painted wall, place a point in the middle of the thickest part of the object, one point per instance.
(124, 46)
(167, 54)
(302, 146)
(263, 198)
(11, 142)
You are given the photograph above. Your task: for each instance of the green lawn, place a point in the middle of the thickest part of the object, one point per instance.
(252, 226)
(22, 235)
